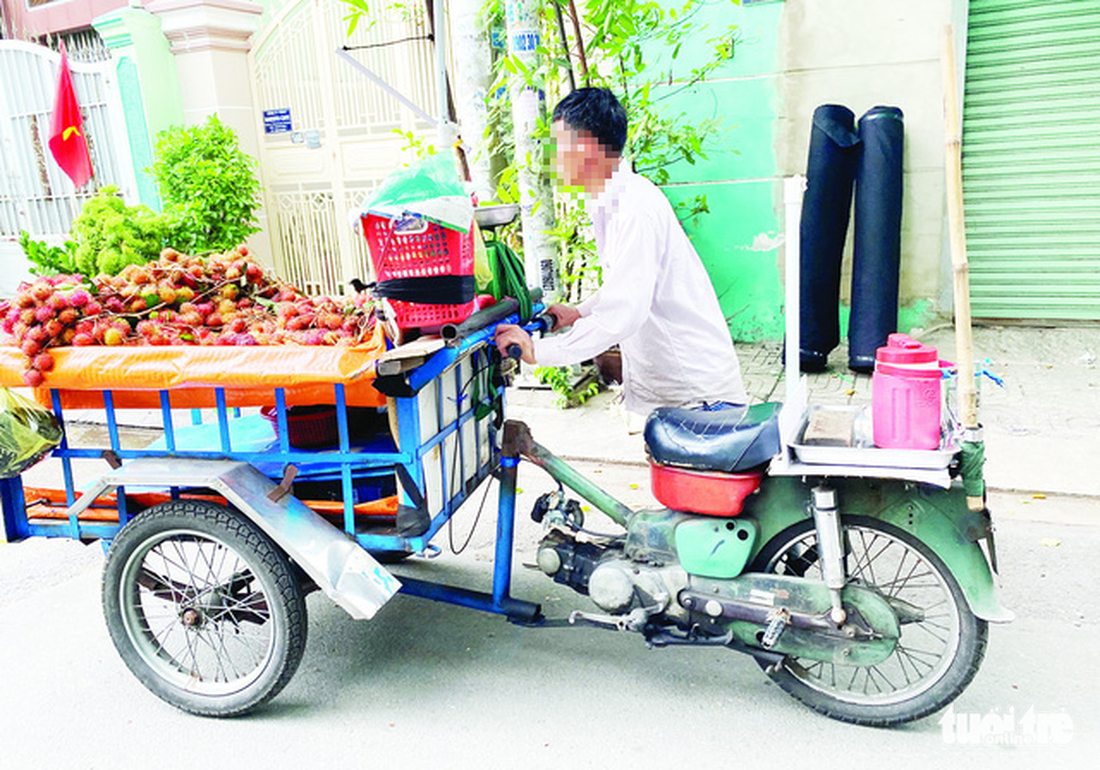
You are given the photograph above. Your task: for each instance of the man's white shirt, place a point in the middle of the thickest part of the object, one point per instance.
(656, 302)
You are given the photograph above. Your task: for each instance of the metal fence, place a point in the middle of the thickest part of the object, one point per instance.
(35, 194)
(311, 190)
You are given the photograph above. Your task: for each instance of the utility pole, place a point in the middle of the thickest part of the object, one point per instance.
(528, 107)
(447, 129)
(473, 76)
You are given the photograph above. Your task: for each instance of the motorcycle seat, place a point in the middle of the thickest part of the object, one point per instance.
(729, 439)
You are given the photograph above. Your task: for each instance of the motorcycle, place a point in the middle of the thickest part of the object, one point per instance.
(862, 590)
(863, 593)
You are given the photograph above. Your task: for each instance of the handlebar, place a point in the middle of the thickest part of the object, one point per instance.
(551, 319)
(542, 323)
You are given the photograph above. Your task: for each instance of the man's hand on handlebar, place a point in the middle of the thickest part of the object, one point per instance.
(565, 315)
(508, 335)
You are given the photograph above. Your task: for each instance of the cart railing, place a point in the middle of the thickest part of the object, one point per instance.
(446, 418)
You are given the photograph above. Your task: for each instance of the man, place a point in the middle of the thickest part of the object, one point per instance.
(656, 301)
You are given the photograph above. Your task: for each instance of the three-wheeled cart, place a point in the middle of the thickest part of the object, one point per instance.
(219, 528)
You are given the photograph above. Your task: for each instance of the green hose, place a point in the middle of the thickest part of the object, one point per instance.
(509, 280)
(508, 277)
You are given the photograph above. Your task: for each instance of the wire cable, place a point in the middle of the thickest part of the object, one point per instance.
(383, 44)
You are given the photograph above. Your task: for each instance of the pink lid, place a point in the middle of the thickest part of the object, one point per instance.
(908, 372)
(903, 350)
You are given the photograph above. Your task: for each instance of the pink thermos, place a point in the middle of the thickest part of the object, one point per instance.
(905, 395)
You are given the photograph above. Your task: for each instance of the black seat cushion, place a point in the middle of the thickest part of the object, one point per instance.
(731, 438)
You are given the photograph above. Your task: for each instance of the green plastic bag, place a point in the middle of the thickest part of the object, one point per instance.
(483, 271)
(431, 189)
(27, 433)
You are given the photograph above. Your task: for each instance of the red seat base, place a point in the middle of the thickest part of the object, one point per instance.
(708, 492)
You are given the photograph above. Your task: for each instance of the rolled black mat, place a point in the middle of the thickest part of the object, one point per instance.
(877, 248)
(830, 170)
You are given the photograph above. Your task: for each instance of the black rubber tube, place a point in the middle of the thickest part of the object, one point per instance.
(876, 257)
(453, 333)
(830, 171)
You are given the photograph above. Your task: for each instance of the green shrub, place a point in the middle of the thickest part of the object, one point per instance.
(111, 235)
(46, 259)
(208, 186)
(561, 381)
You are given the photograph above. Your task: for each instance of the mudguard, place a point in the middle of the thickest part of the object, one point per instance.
(346, 573)
(937, 517)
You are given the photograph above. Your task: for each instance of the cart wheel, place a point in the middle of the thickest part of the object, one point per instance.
(203, 608)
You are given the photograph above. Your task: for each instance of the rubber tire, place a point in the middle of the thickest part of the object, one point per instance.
(973, 636)
(272, 569)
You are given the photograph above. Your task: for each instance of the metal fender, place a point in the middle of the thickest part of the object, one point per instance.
(941, 519)
(937, 517)
(346, 573)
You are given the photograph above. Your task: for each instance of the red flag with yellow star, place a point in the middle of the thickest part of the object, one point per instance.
(67, 141)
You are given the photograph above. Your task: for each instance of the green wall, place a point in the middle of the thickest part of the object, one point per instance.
(738, 239)
(149, 86)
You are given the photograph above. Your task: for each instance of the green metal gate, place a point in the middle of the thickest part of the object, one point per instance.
(1031, 158)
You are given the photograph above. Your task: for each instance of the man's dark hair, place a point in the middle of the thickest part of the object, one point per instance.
(596, 111)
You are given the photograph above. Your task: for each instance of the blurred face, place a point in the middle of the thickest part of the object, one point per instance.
(580, 161)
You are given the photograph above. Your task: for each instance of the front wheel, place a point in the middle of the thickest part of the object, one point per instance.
(203, 608)
(941, 645)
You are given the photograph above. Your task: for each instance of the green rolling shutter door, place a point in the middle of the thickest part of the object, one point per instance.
(1031, 158)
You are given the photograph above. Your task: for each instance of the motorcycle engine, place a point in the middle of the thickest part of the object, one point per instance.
(614, 582)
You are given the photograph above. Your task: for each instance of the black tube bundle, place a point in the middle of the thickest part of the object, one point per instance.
(876, 258)
(869, 159)
(830, 171)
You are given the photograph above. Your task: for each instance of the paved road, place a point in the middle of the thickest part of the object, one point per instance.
(432, 686)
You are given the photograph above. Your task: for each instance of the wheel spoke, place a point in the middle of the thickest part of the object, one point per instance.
(253, 609)
(201, 636)
(194, 670)
(913, 574)
(157, 638)
(225, 655)
(909, 581)
(875, 670)
(897, 575)
(203, 609)
(924, 627)
(919, 655)
(902, 659)
(881, 561)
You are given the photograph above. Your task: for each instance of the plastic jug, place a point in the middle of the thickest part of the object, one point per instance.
(905, 395)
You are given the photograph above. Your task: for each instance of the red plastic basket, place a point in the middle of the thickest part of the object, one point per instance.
(307, 427)
(313, 427)
(431, 250)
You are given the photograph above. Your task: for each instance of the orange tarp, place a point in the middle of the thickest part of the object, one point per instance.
(249, 374)
(50, 504)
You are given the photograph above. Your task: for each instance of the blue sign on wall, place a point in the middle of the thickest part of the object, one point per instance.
(277, 121)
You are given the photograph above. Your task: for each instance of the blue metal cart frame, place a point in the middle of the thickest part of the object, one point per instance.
(448, 413)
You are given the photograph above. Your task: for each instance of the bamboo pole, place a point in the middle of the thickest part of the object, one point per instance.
(964, 333)
(565, 47)
(573, 16)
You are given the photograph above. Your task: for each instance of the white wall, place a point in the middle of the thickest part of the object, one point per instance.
(862, 53)
(14, 267)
